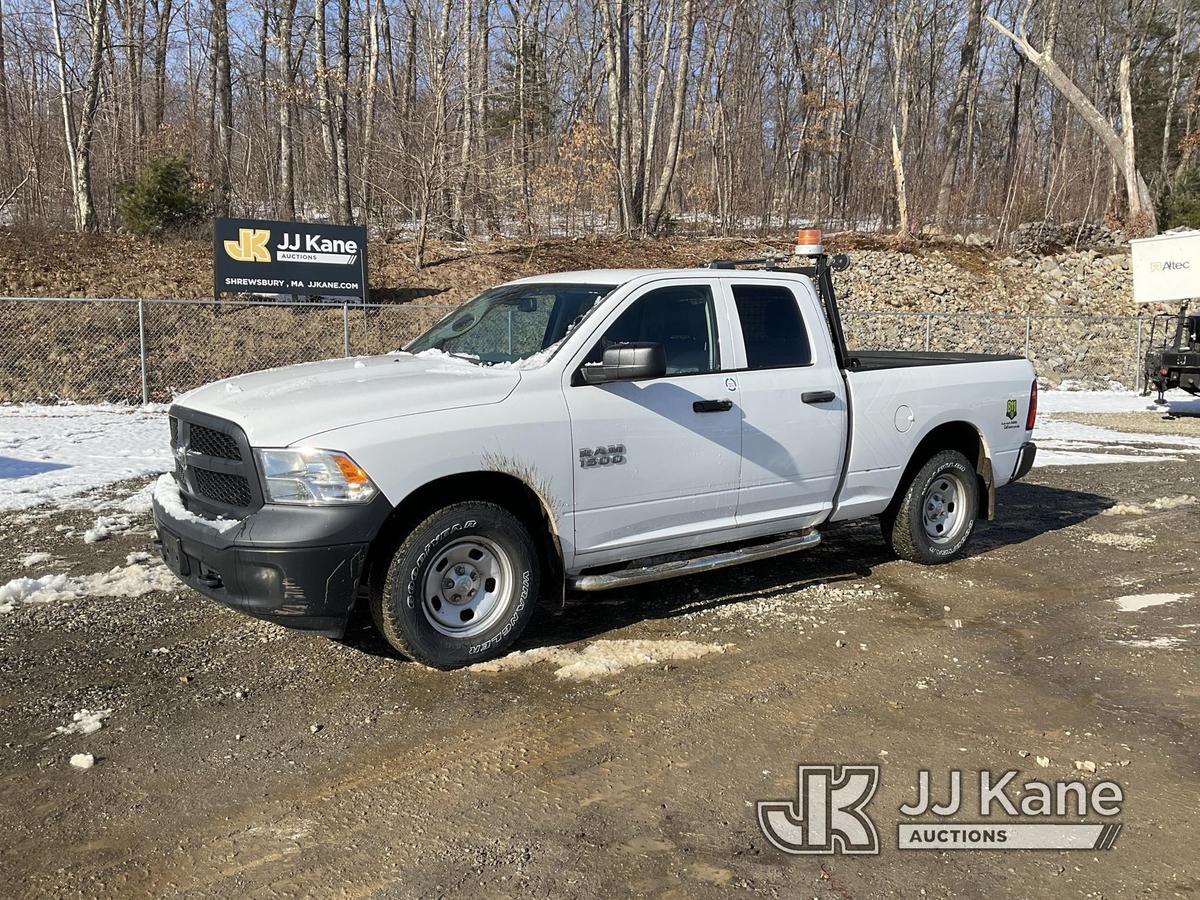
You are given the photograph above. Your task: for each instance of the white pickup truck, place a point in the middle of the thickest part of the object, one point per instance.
(586, 431)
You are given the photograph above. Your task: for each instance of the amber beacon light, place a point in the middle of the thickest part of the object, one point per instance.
(808, 242)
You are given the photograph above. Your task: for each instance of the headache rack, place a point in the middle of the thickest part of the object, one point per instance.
(820, 270)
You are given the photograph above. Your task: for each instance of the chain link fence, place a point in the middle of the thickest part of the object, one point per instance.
(146, 351)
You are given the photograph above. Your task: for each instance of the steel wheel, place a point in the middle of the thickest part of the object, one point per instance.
(943, 510)
(467, 587)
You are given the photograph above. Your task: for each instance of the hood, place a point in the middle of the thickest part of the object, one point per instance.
(278, 407)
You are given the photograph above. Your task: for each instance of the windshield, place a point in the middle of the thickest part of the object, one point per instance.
(512, 322)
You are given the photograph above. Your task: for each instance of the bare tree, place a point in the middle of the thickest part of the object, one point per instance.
(1121, 146)
(955, 125)
(79, 135)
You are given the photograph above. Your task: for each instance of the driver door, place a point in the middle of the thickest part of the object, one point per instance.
(657, 461)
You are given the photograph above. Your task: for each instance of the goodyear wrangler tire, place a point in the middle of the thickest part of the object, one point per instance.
(935, 516)
(460, 588)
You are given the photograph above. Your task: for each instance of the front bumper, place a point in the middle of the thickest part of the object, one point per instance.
(1025, 458)
(297, 566)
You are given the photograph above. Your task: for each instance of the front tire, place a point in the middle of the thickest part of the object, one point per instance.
(461, 586)
(935, 516)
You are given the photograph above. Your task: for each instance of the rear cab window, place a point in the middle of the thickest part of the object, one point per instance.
(773, 328)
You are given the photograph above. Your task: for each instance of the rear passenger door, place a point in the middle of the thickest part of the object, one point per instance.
(793, 404)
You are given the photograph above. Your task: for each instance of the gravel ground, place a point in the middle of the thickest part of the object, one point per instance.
(241, 759)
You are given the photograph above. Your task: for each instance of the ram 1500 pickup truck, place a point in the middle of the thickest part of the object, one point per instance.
(585, 431)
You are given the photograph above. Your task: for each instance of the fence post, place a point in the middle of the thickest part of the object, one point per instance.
(142, 349)
(1137, 354)
(346, 328)
(928, 321)
(1028, 329)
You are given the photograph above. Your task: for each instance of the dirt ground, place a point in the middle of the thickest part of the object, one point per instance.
(242, 760)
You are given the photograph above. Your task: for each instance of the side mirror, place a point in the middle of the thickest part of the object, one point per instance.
(625, 362)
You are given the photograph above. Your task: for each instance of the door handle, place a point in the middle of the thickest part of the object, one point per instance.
(818, 396)
(703, 406)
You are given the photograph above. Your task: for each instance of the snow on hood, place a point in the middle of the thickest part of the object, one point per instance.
(278, 407)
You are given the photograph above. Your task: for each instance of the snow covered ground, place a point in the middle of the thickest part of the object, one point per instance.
(49, 454)
(1064, 443)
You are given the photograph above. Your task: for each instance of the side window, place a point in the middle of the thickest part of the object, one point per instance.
(682, 318)
(772, 326)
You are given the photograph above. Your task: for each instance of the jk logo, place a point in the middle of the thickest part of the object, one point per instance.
(251, 245)
(827, 816)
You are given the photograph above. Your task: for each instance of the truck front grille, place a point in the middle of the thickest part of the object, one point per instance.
(213, 465)
(232, 490)
(211, 442)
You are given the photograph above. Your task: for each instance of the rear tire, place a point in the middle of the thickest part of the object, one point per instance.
(460, 588)
(935, 516)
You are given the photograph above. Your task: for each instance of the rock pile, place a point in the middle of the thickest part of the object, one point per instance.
(950, 280)
(1048, 237)
(1072, 313)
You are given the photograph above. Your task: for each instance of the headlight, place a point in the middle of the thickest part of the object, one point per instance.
(312, 477)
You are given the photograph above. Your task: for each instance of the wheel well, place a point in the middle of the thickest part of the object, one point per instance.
(960, 436)
(500, 488)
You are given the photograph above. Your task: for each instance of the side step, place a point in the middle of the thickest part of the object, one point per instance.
(673, 569)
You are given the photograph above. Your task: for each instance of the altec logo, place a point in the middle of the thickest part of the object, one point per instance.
(1171, 265)
(251, 246)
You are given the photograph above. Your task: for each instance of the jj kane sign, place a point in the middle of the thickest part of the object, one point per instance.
(264, 257)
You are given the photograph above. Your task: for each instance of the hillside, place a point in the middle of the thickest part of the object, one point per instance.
(928, 277)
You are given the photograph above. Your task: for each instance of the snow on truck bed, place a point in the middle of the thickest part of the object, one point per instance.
(49, 454)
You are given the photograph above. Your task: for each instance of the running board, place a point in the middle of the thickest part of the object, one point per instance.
(678, 567)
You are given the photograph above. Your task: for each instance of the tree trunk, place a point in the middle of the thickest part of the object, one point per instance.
(368, 133)
(224, 106)
(79, 138)
(6, 127)
(1172, 91)
(287, 184)
(958, 109)
(162, 33)
(341, 113)
(325, 104)
(679, 101)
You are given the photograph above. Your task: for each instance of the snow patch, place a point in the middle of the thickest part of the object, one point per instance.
(1121, 541)
(1159, 505)
(121, 581)
(1158, 643)
(138, 503)
(166, 492)
(45, 589)
(601, 658)
(51, 453)
(1124, 400)
(86, 721)
(83, 760)
(1136, 602)
(106, 527)
(35, 559)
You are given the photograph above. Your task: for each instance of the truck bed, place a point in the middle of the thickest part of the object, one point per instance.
(895, 402)
(873, 360)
